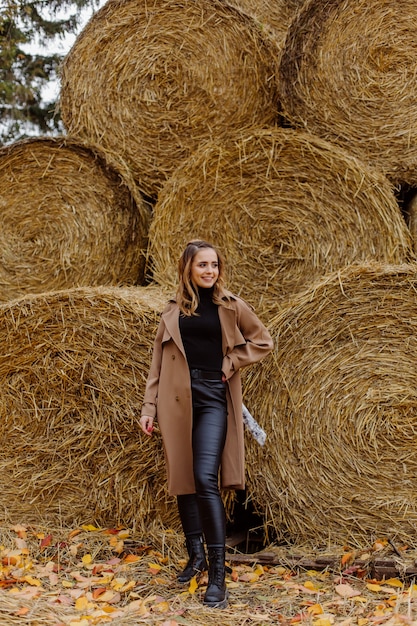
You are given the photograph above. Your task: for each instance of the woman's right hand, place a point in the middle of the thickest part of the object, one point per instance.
(146, 424)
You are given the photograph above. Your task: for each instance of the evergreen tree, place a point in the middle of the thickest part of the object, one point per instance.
(23, 75)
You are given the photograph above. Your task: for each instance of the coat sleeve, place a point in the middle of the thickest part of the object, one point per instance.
(152, 383)
(257, 342)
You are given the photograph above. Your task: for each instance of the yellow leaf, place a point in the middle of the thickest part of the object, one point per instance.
(155, 567)
(193, 585)
(67, 584)
(89, 527)
(310, 585)
(128, 586)
(259, 570)
(394, 582)
(161, 607)
(81, 603)
(35, 582)
(123, 534)
(373, 587)
(315, 609)
(87, 559)
(107, 596)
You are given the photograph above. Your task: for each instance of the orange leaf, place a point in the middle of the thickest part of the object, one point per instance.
(346, 558)
(98, 591)
(46, 541)
(22, 611)
(132, 558)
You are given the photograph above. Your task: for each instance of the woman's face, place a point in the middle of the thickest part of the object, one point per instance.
(205, 268)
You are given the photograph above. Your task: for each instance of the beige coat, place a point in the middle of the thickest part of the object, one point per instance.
(167, 396)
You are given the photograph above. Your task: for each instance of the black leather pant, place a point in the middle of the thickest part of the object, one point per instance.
(203, 512)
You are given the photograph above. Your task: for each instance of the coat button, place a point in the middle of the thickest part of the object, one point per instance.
(177, 398)
(173, 357)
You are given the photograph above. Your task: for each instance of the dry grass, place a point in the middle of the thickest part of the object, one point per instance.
(340, 462)
(78, 577)
(284, 206)
(151, 81)
(70, 216)
(345, 75)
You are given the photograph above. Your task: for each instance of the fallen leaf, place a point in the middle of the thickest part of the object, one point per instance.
(22, 611)
(316, 609)
(394, 582)
(193, 585)
(46, 541)
(346, 558)
(346, 591)
(82, 603)
(132, 558)
(310, 585)
(35, 582)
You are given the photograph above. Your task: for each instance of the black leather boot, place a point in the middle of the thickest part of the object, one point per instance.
(216, 594)
(197, 562)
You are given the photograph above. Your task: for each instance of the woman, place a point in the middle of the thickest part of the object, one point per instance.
(204, 337)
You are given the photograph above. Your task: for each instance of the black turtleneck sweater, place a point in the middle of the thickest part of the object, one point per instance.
(201, 334)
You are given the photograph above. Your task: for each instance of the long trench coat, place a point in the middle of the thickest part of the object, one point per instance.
(167, 397)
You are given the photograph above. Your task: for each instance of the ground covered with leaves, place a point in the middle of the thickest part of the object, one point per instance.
(88, 576)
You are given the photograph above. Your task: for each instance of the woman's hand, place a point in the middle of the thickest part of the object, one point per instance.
(146, 424)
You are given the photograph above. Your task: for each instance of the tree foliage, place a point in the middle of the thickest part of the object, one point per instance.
(24, 74)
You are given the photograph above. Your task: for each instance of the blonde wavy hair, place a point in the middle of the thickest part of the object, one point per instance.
(187, 294)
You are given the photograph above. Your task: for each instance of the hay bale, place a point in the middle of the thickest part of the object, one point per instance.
(72, 375)
(345, 75)
(339, 404)
(70, 216)
(273, 17)
(152, 81)
(284, 206)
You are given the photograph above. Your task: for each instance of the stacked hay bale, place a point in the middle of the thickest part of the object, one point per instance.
(273, 17)
(346, 74)
(70, 216)
(151, 82)
(339, 406)
(285, 207)
(72, 376)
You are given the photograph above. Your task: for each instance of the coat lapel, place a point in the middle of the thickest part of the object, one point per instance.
(228, 322)
(171, 321)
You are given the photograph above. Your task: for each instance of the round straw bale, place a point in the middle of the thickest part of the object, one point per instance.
(69, 217)
(273, 17)
(284, 206)
(346, 74)
(72, 375)
(338, 399)
(151, 81)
